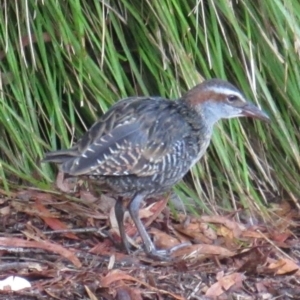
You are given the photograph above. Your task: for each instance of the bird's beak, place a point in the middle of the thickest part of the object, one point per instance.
(250, 110)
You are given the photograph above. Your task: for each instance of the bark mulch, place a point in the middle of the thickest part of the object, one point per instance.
(66, 247)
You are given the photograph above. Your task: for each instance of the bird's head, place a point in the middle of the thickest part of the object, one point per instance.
(217, 99)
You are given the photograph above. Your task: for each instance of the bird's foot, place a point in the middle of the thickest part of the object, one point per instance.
(164, 254)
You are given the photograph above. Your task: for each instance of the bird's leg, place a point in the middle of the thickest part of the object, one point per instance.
(120, 211)
(133, 208)
(150, 249)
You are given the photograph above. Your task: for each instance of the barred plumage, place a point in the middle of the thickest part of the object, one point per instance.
(144, 145)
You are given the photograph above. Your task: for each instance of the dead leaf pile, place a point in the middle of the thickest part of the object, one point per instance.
(66, 246)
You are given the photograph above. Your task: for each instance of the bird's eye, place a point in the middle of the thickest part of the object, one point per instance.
(232, 98)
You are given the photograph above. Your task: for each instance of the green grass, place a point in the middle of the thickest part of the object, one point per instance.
(65, 62)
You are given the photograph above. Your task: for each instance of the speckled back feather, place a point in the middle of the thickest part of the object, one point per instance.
(138, 136)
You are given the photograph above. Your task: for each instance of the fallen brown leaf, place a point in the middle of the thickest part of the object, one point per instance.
(155, 209)
(202, 251)
(30, 209)
(280, 237)
(87, 196)
(283, 266)
(225, 232)
(54, 223)
(115, 275)
(4, 211)
(61, 183)
(16, 242)
(224, 284)
(163, 240)
(106, 203)
(198, 231)
(252, 234)
(237, 228)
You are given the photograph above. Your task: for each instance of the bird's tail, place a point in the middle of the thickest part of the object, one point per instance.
(59, 156)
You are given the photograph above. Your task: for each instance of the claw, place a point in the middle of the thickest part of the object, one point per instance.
(165, 254)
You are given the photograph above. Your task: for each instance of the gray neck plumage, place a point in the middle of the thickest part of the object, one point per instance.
(201, 121)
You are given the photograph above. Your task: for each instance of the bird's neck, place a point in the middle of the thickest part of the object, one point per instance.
(199, 137)
(200, 118)
(210, 112)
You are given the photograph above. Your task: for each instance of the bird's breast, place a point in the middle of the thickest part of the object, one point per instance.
(202, 147)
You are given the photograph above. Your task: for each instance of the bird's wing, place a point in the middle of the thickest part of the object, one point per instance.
(134, 141)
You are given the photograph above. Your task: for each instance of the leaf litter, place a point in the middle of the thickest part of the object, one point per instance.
(67, 247)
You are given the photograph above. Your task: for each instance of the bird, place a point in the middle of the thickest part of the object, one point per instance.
(142, 146)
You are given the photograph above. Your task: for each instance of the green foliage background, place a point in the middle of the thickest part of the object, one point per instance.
(64, 62)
